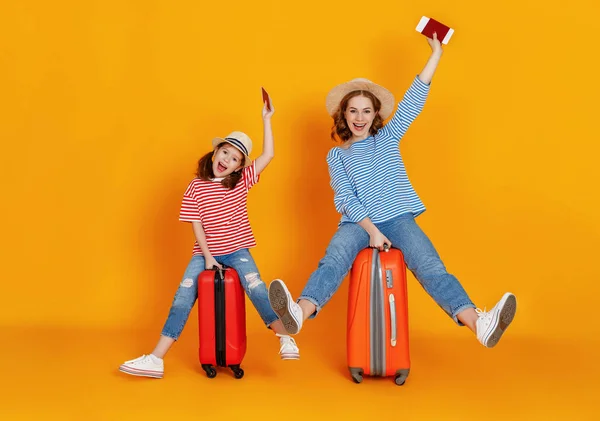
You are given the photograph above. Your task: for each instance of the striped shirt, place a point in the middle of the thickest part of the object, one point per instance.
(368, 178)
(222, 212)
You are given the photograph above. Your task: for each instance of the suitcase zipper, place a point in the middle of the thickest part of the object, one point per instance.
(220, 318)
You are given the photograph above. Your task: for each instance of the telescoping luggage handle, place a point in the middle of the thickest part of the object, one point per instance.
(393, 321)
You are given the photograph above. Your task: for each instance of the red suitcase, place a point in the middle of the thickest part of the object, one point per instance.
(377, 335)
(221, 321)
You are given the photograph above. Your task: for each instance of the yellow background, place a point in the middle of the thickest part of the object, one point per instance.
(106, 107)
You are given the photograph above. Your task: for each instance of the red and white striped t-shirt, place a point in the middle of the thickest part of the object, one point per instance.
(222, 212)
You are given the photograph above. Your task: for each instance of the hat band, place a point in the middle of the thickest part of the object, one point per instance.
(237, 144)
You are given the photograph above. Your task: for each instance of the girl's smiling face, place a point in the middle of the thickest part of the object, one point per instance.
(226, 160)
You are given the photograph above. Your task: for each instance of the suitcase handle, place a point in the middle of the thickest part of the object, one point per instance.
(223, 266)
(393, 319)
(221, 271)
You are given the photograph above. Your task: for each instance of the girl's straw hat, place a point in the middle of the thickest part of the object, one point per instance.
(240, 140)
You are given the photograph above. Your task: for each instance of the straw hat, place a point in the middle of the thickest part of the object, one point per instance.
(335, 96)
(240, 141)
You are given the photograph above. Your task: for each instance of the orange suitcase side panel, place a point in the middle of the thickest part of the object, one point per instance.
(357, 342)
(377, 319)
(398, 356)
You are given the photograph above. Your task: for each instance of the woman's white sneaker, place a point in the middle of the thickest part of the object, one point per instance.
(492, 324)
(288, 311)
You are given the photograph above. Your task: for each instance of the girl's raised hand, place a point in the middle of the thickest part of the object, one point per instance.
(267, 113)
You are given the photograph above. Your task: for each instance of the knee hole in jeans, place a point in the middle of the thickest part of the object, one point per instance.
(187, 283)
(253, 280)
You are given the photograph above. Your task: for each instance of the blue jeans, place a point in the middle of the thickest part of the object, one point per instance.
(421, 259)
(187, 293)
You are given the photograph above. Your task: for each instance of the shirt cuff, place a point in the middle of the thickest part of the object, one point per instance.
(420, 85)
(357, 215)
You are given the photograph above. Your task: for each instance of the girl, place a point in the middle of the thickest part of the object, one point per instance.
(215, 205)
(379, 206)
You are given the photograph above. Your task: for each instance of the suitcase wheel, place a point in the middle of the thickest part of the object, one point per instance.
(357, 374)
(210, 371)
(401, 376)
(237, 371)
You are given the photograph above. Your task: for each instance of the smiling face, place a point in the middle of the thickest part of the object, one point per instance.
(359, 116)
(226, 160)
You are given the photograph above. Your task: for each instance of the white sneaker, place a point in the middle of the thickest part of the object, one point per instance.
(492, 324)
(289, 350)
(288, 311)
(146, 366)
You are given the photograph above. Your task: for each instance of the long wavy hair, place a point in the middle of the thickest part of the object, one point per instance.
(205, 171)
(340, 126)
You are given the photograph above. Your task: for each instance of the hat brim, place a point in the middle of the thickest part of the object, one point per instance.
(335, 96)
(218, 140)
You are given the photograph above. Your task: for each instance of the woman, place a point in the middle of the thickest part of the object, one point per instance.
(379, 206)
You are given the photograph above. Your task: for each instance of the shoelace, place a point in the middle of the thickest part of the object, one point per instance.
(483, 314)
(141, 359)
(287, 340)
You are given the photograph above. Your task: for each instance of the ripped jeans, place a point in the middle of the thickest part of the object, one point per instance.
(187, 293)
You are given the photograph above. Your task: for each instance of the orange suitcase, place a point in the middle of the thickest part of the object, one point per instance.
(377, 335)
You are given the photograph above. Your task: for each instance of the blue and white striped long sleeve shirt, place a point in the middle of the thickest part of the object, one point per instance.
(369, 178)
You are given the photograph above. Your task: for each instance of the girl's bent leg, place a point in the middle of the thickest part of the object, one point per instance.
(152, 365)
(252, 282)
(184, 299)
(256, 290)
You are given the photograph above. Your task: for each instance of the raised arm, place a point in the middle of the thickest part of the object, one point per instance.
(436, 53)
(414, 99)
(268, 151)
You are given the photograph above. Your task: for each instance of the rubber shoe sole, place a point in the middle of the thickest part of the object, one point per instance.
(279, 299)
(141, 373)
(502, 319)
